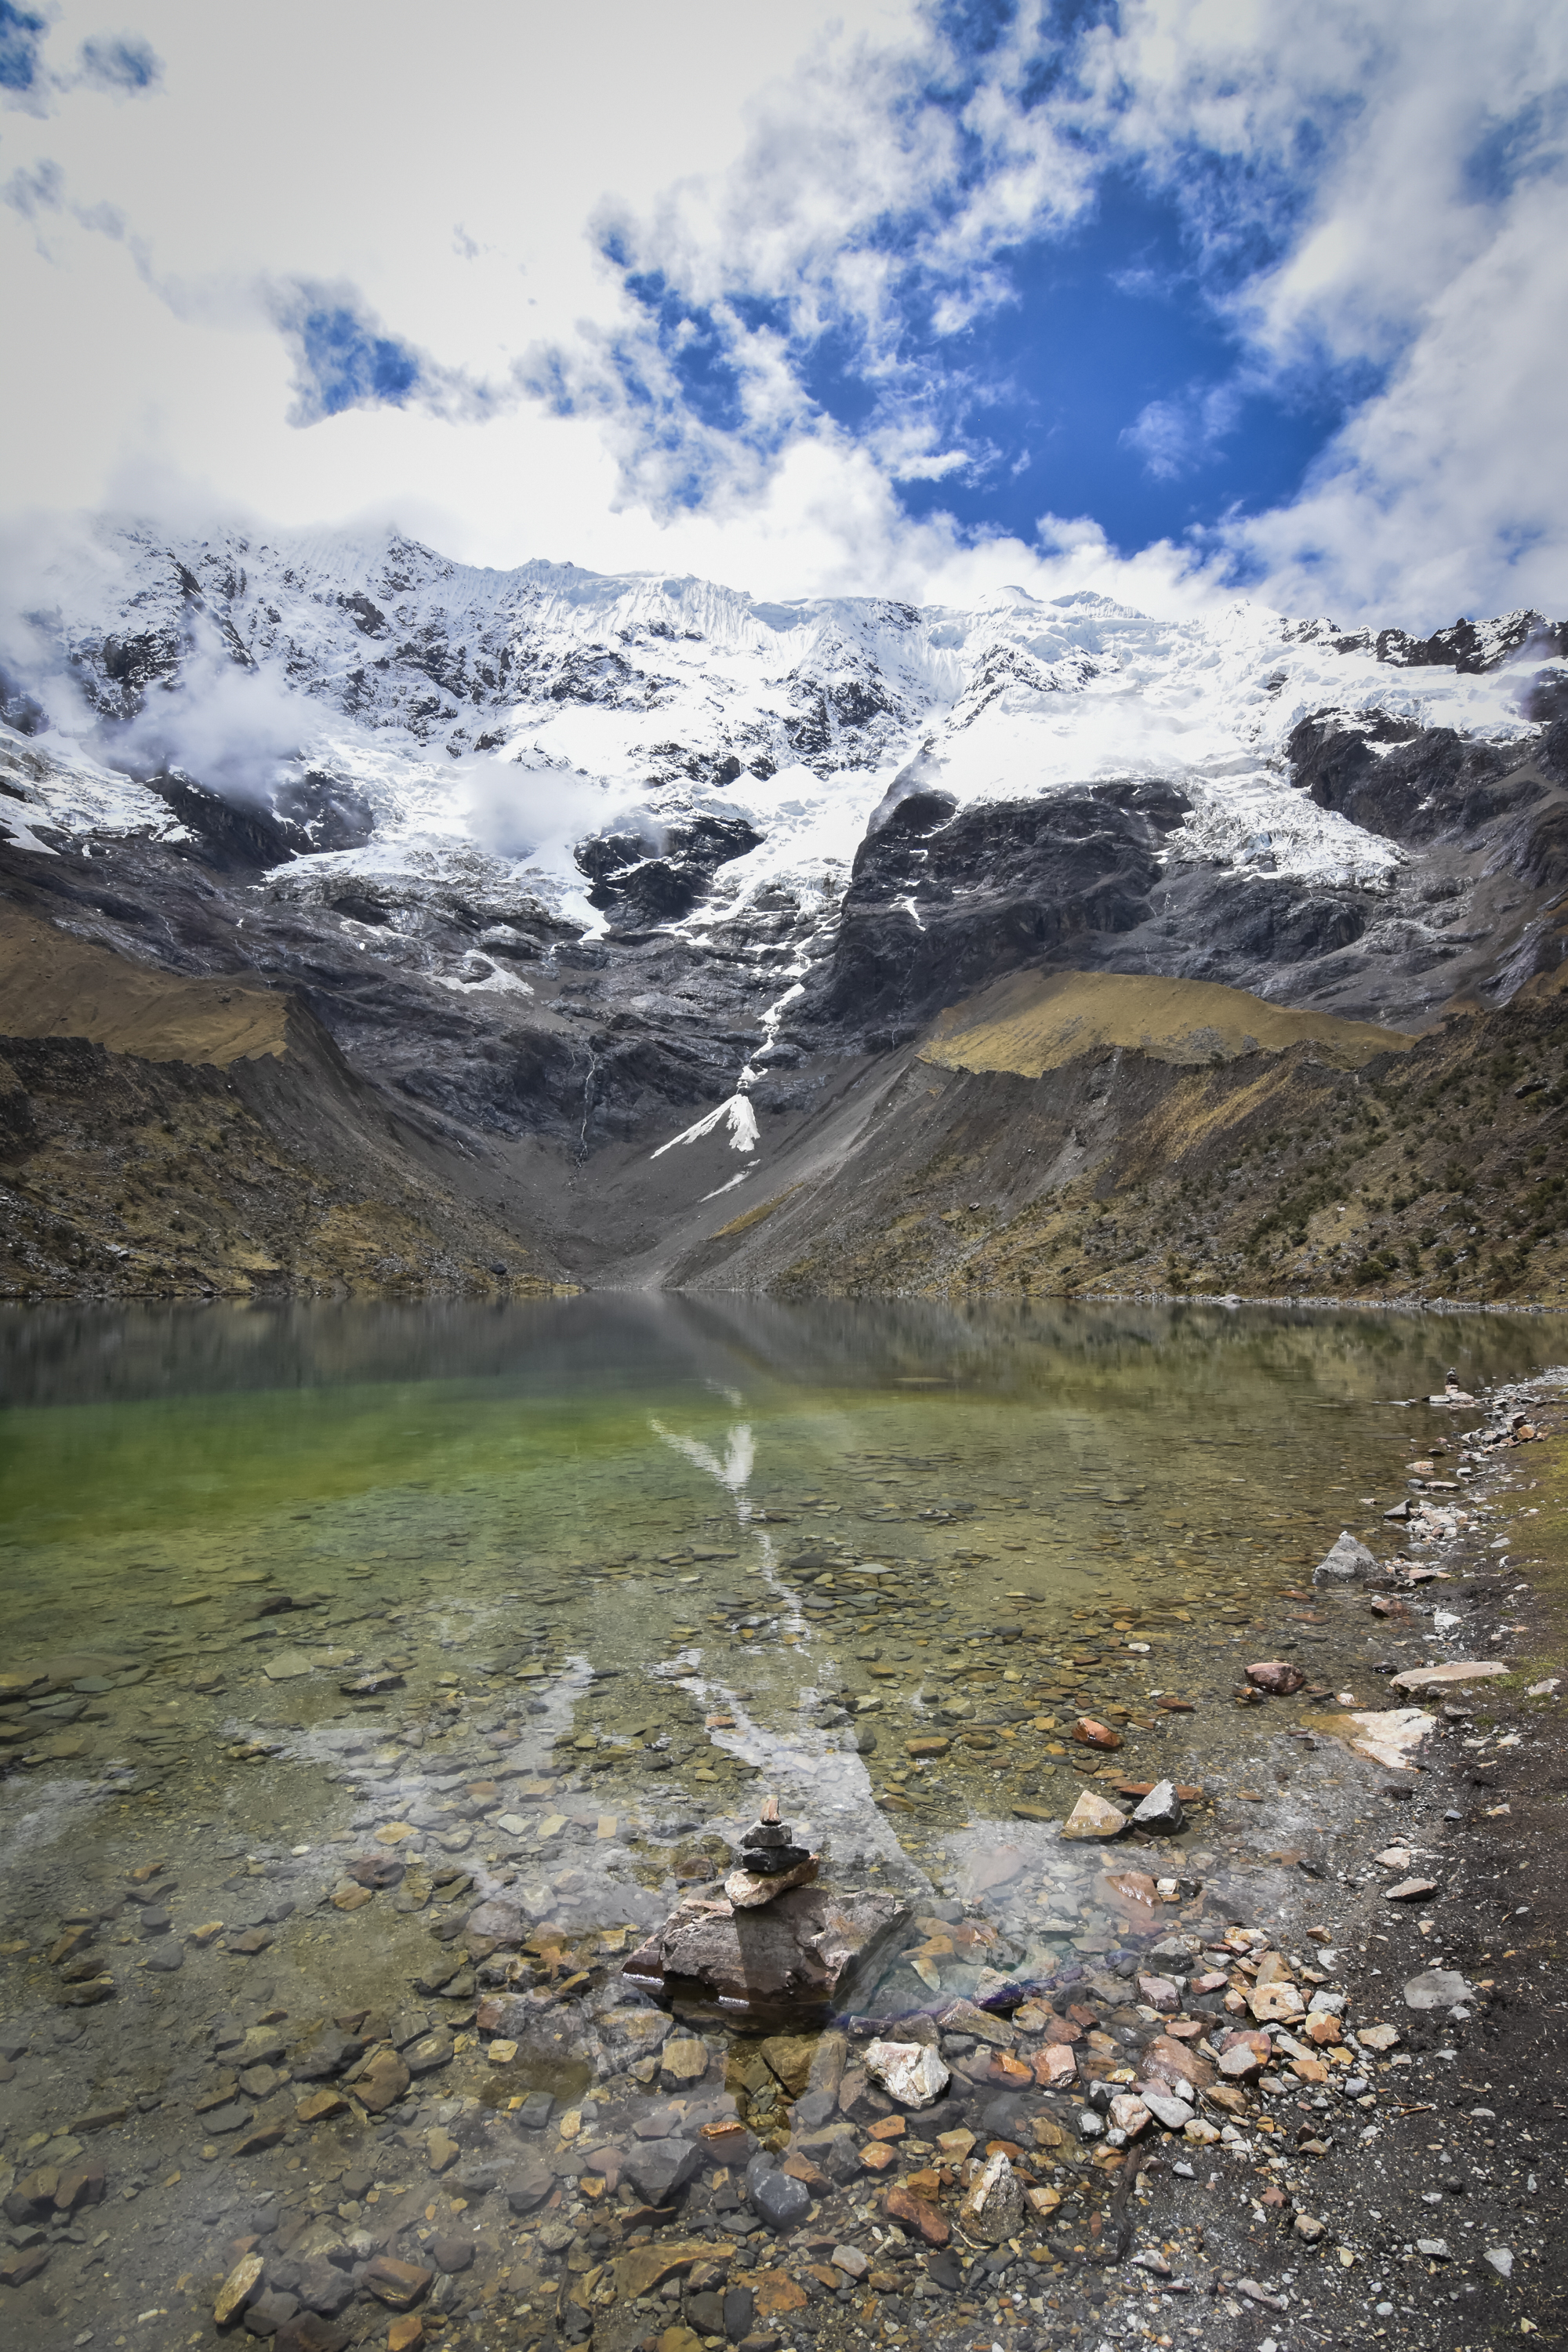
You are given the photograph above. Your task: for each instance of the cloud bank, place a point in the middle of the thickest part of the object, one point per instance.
(1172, 298)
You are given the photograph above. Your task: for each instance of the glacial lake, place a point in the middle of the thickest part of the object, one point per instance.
(539, 1602)
(605, 1521)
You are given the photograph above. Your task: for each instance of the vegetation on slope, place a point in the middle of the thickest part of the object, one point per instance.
(1434, 1171)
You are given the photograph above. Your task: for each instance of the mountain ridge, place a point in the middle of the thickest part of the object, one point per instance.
(559, 860)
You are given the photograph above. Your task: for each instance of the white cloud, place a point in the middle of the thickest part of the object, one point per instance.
(1377, 192)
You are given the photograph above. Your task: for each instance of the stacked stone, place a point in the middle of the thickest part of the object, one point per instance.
(766, 1850)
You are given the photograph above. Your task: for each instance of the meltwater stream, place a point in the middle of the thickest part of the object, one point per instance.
(324, 1624)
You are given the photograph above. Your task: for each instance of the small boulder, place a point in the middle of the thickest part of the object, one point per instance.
(1278, 1676)
(1090, 1733)
(1159, 1809)
(660, 2169)
(396, 2283)
(908, 2071)
(1346, 1562)
(783, 2202)
(994, 2209)
(1093, 1816)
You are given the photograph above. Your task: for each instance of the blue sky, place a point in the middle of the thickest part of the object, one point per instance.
(1172, 299)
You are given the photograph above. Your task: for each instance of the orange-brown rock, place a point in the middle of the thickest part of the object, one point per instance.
(1169, 2062)
(917, 2213)
(397, 2282)
(1090, 1733)
(1054, 2066)
(774, 2293)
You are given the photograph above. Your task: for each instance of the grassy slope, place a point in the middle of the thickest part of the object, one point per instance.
(1424, 1172)
(163, 1136)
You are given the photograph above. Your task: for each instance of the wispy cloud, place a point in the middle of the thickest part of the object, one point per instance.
(123, 65)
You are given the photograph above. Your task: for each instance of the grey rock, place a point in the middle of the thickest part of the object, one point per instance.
(1159, 1809)
(1437, 1988)
(219, 2121)
(660, 2169)
(783, 2202)
(795, 1959)
(1346, 1562)
(269, 2312)
(527, 2185)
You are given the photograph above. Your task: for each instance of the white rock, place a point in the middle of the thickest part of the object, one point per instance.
(908, 2071)
(1457, 1670)
(994, 2209)
(1437, 1988)
(1500, 2259)
(1388, 1735)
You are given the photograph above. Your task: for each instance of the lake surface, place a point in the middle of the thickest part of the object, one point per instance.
(617, 1568)
(820, 1520)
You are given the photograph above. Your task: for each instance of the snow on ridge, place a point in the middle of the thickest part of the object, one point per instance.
(503, 715)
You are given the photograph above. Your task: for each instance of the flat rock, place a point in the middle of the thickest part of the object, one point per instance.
(237, 2289)
(383, 2082)
(684, 2059)
(287, 1665)
(1454, 1671)
(965, 2017)
(1170, 2061)
(748, 1890)
(643, 2268)
(396, 2283)
(918, 2213)
(1438, 1989)
(1388, 1737)
(796, 1957)
(1410, 1890)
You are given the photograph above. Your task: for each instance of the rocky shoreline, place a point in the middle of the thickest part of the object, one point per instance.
(370, 2082)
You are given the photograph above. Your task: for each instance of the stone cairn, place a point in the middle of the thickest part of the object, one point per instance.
(770, 1860)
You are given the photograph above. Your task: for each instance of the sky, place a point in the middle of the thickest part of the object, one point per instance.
(1177, 301)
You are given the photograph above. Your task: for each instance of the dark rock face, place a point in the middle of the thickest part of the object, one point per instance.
(940, 903)
(646, 881)
(1423, 784)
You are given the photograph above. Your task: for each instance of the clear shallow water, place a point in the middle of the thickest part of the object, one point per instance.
(584, 1516)
(626, 1564)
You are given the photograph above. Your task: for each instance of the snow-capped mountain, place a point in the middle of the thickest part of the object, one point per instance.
(560, 854)
(517, 714)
